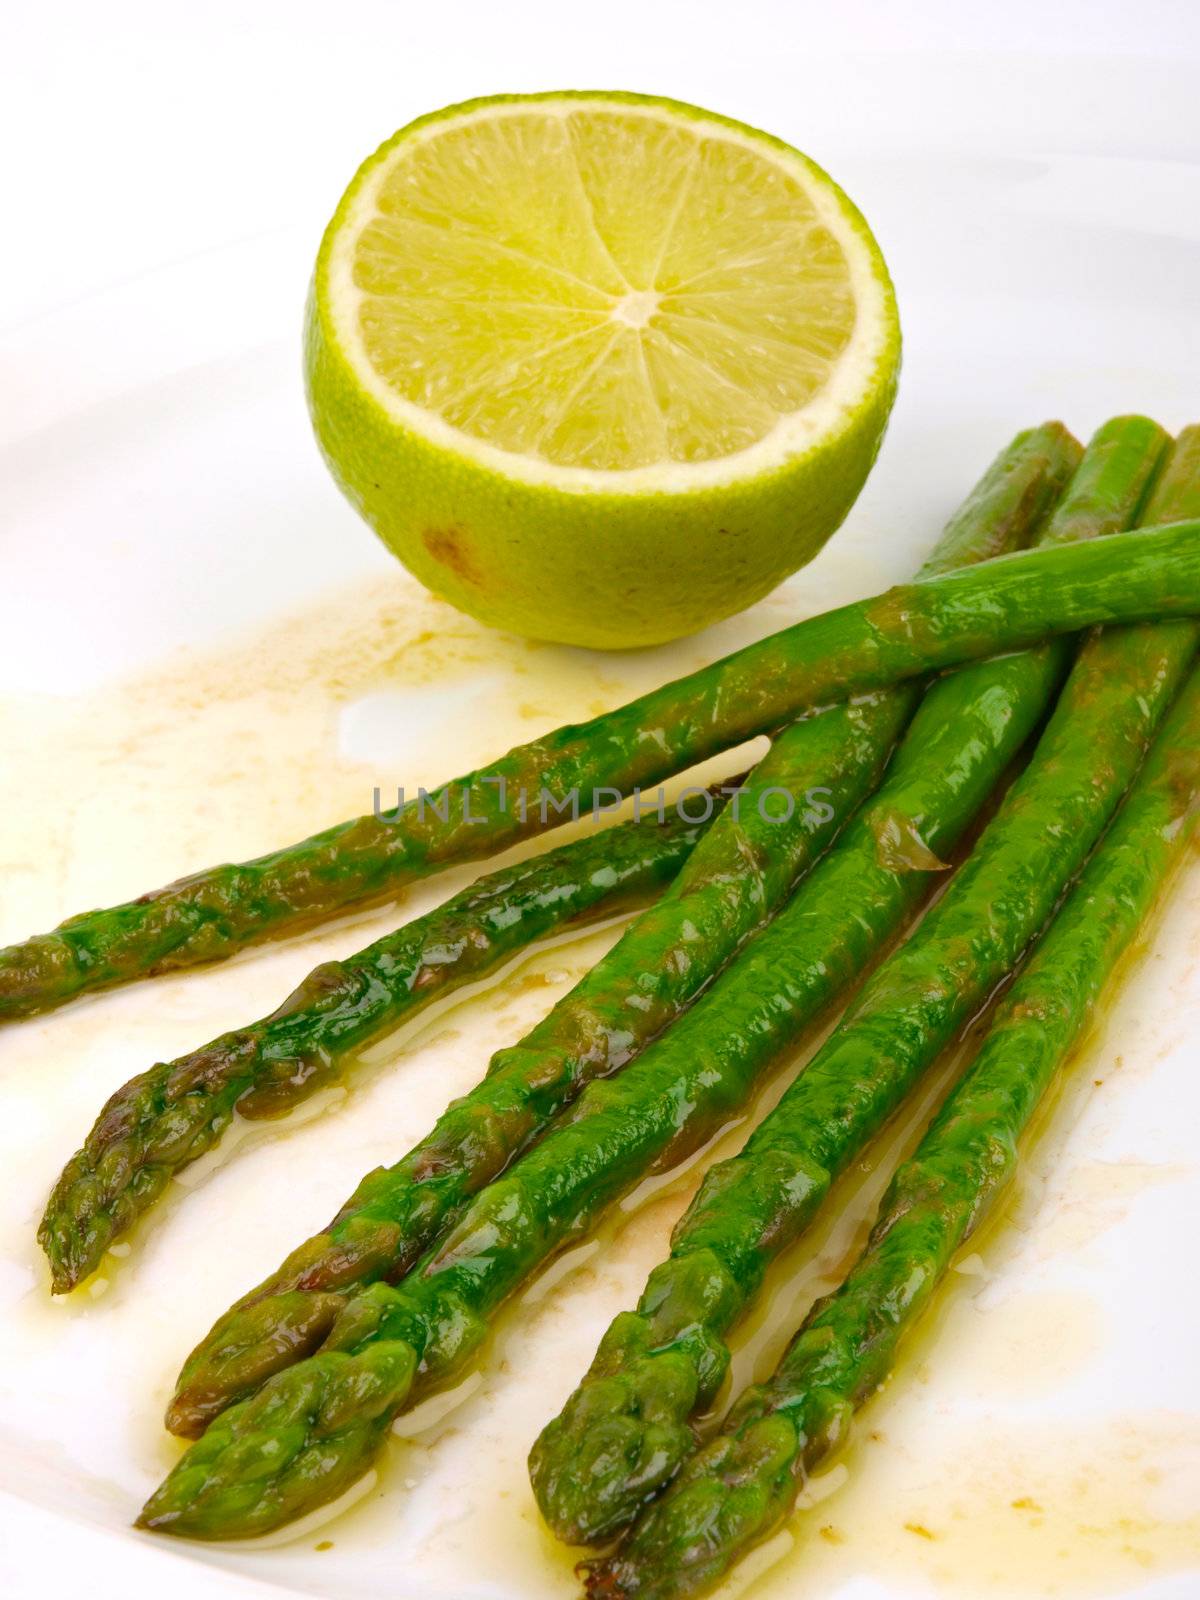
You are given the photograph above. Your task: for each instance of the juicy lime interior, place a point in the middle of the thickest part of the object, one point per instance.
(597, 287)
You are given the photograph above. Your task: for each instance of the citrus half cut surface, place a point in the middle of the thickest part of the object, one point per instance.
(599, 368)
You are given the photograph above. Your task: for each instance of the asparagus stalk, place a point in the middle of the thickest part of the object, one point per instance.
(735, 1490)
(734, 881)
(160, 1121)
(911, 630)
(625, 1430)
(244, 1476)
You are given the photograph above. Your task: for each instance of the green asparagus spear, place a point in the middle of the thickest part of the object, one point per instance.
(735, 880)
(624, 1432)
(240, 1479)
(165, 1118)
(734, 1491)
(919, 627)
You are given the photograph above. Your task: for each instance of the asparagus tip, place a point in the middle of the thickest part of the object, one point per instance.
(185, 1418)
(69, 1260)
(591, 1474)
(248, 1346)
(304, 1438)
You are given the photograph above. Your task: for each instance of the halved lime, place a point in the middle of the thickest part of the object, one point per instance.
(599, 367)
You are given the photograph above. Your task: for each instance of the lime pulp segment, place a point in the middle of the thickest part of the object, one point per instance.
(597, 287)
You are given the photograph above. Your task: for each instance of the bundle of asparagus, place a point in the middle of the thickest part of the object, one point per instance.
(732, 1492)
(736, 878)
(625, 1431)
(308, 1432)
(765, 922)
(735, 1490)
(667, 1100)
(167, 1117)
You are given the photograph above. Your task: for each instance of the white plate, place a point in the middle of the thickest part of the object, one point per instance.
(204, 654)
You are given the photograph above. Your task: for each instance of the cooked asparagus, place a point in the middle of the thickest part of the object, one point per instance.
(310, 1430)
(158, 1122)
(624, 1432)
(684, 1084)
(734, 881)
(735, 1490)
(653, 972)
(167, 1117)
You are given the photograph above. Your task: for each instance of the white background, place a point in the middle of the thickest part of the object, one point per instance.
(136, 133)
(168, 170)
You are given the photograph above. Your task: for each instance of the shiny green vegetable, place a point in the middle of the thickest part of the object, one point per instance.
(740, 1486)
(311, 1430)
(913, 629)
(170, 1115)
(654, 972)
(625, 1430)
(158, 1122)
(824, 766)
